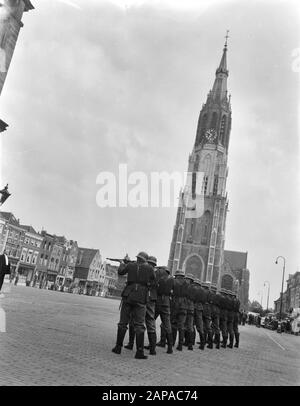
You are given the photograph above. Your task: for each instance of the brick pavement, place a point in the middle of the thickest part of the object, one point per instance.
(56, 338)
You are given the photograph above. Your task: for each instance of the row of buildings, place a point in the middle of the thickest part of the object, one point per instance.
(291, 297)
(44, 260)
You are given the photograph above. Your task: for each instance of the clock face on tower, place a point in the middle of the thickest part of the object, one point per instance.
(211, 135)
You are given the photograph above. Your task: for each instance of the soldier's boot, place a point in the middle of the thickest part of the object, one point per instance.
(186, 339)
(231, 337)
(210, 340)
(174, 335)
(180, 340)
(152, 342)
(140, 346)
(224, 342)
(130, 344)
(218, 341)
(163, 338)
(170, 343)
(202, 341)
(119, 344)
(237, 340)
(190, 340)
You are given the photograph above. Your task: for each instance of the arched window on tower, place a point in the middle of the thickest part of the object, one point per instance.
(214, 119)
(205, 227)
(203, 124)
(223, 130)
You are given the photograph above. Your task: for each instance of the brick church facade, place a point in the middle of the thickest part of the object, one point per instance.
(197, 245)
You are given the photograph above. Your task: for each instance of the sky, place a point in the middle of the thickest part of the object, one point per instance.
(93, 84)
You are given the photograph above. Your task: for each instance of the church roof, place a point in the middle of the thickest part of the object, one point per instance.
(30, 229)
(10, 218)
(86, 256)
(236, 259)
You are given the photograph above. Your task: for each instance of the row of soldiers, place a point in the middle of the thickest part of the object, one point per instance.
(185, 305)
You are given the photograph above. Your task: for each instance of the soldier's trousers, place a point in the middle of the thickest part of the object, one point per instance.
(198, 318)
(223, 327)
(235, 325)
(150, 317)
(178, 317)
(215, 324)
(135, 311)
(207, 325)
(189, 321)
(164, 313)
(230, 328)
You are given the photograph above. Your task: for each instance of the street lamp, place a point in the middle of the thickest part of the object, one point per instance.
(276, 262)
(268, 293)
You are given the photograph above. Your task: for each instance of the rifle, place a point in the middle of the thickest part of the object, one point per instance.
(126, 260)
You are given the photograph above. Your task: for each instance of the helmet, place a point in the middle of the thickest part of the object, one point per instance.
(179, 272)
(165, 268)
(214, 288)
(196, 280)
(206, 284)
(152, 260)
(222, 290)
(143, 255)
(189, 276)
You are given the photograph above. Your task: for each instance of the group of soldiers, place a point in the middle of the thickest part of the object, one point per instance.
(185, 305)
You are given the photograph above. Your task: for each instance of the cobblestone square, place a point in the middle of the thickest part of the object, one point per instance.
(55, 338)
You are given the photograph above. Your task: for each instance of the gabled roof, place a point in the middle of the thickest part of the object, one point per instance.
(236, 259)
(30, 229)
(10, 218)
(86, 256)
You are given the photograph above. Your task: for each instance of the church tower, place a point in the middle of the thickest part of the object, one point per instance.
(197, 245)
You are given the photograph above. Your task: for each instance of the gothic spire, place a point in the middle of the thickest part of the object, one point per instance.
(219, 90)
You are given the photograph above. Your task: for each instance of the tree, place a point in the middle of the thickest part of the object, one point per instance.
(255, 307)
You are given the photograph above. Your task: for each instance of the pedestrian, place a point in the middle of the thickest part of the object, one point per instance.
(16, 279)
(165, 285)
(150, 310)
(244, 317)
(4, 270)
(179, 308)
(215, 314)
(140, 276)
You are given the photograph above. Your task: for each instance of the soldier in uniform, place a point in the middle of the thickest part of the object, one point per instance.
(163, 305)
(140, 276)
(230, 317)
(215, 315)
(150, 310)
(236, 308)
(198, 312)
(207, 315)
(179, 308)
(189, 324)
(223, 317)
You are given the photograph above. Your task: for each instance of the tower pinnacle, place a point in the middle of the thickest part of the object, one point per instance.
(219, 90)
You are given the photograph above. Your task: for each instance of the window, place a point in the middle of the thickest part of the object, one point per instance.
(204, 185)
(214, 119)
(215, 190)
(222, 130)
(203, 124)
(23, 255)
(26, 240)
(34, 258)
